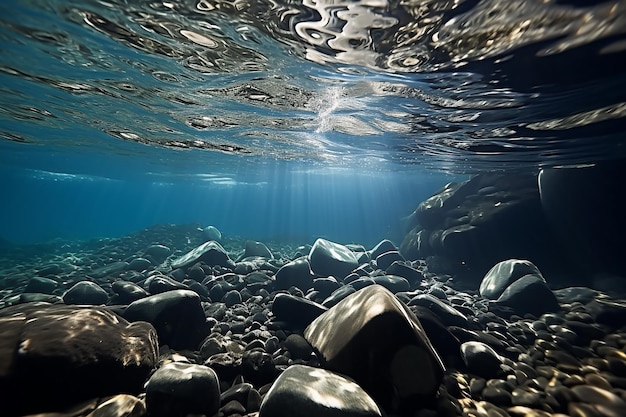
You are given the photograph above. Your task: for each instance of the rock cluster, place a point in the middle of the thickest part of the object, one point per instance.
(269, 329)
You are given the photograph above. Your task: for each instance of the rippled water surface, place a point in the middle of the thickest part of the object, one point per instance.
(453, 85)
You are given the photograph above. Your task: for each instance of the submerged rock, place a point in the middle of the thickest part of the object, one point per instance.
(311, 392)
(518, 284)
(210, 252)
(211, 233)
(176, 315)
(106, 356)
(296, 273)
(179, 389)
(375, 339)
(331, 259)
(86, 293)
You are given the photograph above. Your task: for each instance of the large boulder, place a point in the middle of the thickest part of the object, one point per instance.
(374, 338)
(305, 391)
(331, 259)
(296, 273)
(63, 355)
(479, 222)
(586, 209)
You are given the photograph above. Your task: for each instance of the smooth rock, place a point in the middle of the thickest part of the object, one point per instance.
(375, 339)
(107, 355)
(41, 285)
(85, 293)
(158, 284)
(298, 347)
(393, 283)
(127, 291)
(481, 359)
(529, 294)
(304, 391)
(177, 316)
(449, 315)
(381, 247)
(331, 259)
(402, 270)
(296, 311)
(253, 249)
(178, 389)
(504, 274)
(211, 252)
(211, 233)
(157, 253)
(296, 273)
(139, 264)
(384, 260)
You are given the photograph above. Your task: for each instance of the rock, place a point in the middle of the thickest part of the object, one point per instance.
(504, 274)
(231, 298)
(296, 273)
(331, 259)
(86, 293)
(127, 291)
(529, 294)
(341, 293)
(402, 270)
(585, 207)
(384, 260)
(41, 285)
(211, 252)
(600, 397)
(111, 269)
(298, 347)
(375, 339)
(477, 223)
(157, 253)
(296, 311)
(35, 356)
(305, 391)
(211, 233)
(609, 312)
(48, 270)
(382, 247)
(325, 286)
(393, 283)
(176, 315)
(481, 359)
(448, 315)
(121, 405)
(258, 367)
(256, 249)
(178, 389)
(139, 264)
(158, 284)
(575, 294)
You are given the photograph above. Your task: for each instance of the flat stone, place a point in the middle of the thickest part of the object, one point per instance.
(177, 316)
(374, 338)
(331, 259)
(69, 354)
(85, 293)
(210, 252)
(178, 389)
(306, 391)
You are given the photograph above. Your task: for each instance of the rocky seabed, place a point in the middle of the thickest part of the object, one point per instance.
(175, 321)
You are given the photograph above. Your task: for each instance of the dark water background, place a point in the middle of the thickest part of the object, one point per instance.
(291, 119)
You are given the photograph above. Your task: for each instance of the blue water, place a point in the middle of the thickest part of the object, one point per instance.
(290, 119)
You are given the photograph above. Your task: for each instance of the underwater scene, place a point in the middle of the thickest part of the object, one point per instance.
(313, 208)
